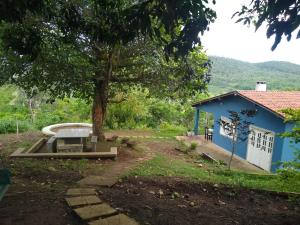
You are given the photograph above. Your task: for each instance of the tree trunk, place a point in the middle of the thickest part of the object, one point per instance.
(100, 100)
(99, 109)
(231, 157)
(234, 140)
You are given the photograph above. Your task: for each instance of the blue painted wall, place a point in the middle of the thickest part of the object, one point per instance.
(263, 119)
(288, 146)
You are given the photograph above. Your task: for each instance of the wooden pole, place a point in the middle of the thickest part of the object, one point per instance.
(17, 129)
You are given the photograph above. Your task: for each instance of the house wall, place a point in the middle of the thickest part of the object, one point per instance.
(288, 146)
(263, 119)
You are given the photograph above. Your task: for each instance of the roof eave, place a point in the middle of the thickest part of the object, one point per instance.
(241, 95)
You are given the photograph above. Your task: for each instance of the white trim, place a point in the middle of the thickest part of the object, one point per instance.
(222, 130)
(48, 130)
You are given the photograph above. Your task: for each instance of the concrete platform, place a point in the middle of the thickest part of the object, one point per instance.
(120, 219)
(95, 211)
(83, 200)
(219, 153)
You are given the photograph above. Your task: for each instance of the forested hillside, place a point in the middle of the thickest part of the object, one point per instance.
(230, 74)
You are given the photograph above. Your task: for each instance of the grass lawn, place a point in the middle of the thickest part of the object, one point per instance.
(162, 165)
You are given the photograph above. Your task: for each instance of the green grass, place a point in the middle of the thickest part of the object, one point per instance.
(170, 133)
(163, 166)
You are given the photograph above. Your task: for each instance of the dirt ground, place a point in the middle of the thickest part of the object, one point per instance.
(36, 196)
(38, 200)
(150, 201)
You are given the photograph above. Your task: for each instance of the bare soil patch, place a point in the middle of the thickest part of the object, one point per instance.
(175, 201)
(38, 199)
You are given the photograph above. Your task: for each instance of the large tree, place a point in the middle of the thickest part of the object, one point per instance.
(94, 48)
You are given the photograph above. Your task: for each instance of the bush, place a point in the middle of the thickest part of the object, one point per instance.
(172, 129)
(10, 126)
(193, 146)
(46, 120)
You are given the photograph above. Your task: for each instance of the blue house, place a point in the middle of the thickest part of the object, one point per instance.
(263, 146)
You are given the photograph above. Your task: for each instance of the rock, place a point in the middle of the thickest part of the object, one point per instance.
(186, 196)
(216, 185)
(52, 169)
(112, 139)
(176, 194)
(160, 193)
(152, 192)
(182, 206)
(204, 189)
(200, 165)
(192, 204)
(221, 202)
(131, 144)
(124, 140)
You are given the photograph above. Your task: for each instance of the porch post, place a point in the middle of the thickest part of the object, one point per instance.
(196, 122)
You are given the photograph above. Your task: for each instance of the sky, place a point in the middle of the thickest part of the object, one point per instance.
(235, 40)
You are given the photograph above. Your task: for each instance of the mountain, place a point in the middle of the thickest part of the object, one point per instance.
(230, 74)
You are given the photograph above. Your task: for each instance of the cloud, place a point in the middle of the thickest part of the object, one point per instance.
(228, 39)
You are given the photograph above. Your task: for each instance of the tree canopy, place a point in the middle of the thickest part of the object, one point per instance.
(281, 17)
(93, 49)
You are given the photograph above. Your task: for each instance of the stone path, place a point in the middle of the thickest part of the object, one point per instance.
(85, 201)
(111, 175)
(92, 210)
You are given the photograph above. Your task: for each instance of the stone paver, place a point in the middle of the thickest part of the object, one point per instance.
(120, 219)
(83, 200)
(94, 211)
(104, 181)
(81, 191)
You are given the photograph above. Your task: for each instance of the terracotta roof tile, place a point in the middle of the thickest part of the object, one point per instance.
(274, 100)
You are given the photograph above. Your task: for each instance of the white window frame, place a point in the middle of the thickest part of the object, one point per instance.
(222, 130)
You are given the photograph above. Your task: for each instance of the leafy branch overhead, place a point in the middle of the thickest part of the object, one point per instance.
(94, 49)
(292, 115)
(173, 24)
(280, 16)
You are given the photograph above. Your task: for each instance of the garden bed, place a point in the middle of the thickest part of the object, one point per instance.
(175, 201)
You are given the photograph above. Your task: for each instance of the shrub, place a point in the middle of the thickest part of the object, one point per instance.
(10, 126)
(193, 146)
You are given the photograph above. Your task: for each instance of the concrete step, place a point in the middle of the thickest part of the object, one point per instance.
(81, 191)
(83, 200)
(119, 219)
(95, 211)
